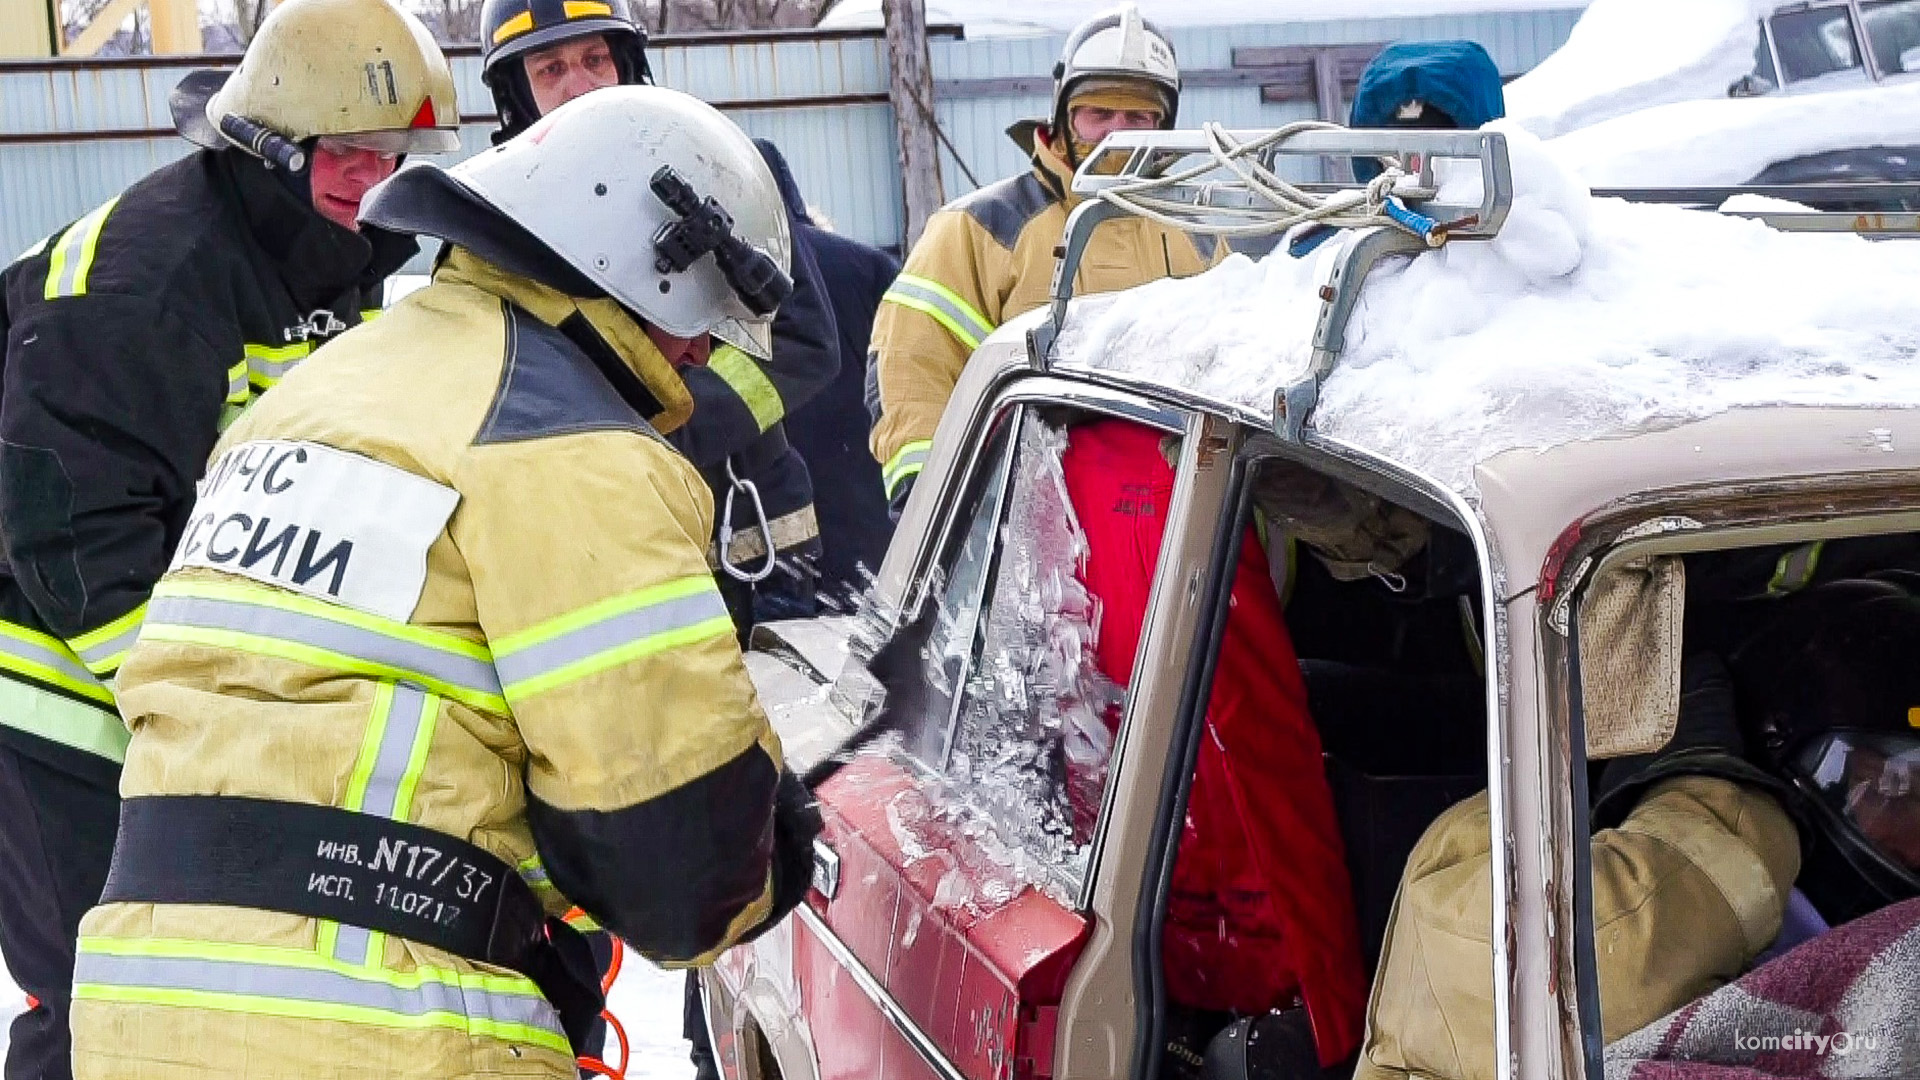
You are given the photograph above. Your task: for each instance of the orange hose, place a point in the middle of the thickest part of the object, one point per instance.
(620, 1035)
(613, 969)
(600, 1068)
(593, 1064)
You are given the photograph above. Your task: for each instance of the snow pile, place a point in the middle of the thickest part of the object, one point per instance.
(1585, 317)
(1001, 18)
(1727, 141)
(1625, 55)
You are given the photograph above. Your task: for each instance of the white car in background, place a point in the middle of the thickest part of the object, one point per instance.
(1723, 93)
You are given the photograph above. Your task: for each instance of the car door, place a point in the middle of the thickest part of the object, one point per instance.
(953, 875)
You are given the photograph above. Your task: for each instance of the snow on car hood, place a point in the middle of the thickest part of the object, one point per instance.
(1728, 141)
(1626, 55)
(1585, 317)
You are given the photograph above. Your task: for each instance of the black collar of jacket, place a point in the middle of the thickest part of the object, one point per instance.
(316, 259)
(425, 201)
(428, 202)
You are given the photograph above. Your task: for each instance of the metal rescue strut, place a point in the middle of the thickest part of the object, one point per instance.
(1221, 183)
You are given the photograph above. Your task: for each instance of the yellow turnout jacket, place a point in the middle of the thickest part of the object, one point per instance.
(445, 573)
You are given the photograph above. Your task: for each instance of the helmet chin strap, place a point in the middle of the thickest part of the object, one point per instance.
(513, 97)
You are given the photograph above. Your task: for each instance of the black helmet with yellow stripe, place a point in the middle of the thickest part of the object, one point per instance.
(511, 29)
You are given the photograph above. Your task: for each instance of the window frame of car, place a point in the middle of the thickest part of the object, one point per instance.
(1865, 25)
(1005, 404)
(1251, 443)
(1856, 20)
(1708, 518)
(1096, 1021)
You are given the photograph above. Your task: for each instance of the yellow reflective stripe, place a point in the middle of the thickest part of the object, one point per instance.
(268, 364)
(1796, 569)
(370, 314)
(609, 633)
(386, 772)
(47, 659)
(346, 664)
(513, 27)
(421, 728)
(60, 719)
(297, 1009)
(370, 741)
(534, 873)
(910, 459)
(295, 351)
(299, 983)
(304, 959)
(269, 622)
(743, 374)
(73, 255)
(944, 305)
(237, 390)
(580, 9)
(250, 594)
(102, 649)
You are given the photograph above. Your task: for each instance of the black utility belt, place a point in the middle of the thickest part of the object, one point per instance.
(323, 862)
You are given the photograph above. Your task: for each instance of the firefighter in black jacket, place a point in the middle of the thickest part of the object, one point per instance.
(132, 337)
(539, 54)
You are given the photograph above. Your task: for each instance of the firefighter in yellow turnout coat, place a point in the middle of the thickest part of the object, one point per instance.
(988, 257)
(441, 636)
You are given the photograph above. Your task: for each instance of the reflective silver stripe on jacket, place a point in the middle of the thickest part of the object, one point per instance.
(522, 669)
(262, 982)
(460, 677)
(401, 718)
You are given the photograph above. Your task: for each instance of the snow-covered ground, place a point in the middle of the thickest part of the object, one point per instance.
(1584, 317)
(648, 1003)
(646, 999)
(12, 1003)
(991, 18)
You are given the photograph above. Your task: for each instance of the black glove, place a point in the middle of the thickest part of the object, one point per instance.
(796, 822)
(1706, 742)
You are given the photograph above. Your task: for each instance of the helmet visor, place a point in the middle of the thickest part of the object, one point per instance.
(422, 140)
(1872, 780)
(751, 336)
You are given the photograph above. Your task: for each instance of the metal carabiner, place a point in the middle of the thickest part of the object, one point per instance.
(736, 485)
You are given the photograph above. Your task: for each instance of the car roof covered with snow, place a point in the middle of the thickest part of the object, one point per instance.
(1594, 351)
(1722, 141)
(1639, 94)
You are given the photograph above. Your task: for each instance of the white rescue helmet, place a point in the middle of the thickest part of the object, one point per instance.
(1117, 46)
(364, 70)
(581, 181)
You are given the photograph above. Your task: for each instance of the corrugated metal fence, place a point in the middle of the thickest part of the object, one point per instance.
(72, 134)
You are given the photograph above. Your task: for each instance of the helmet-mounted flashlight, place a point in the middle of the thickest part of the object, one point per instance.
(705, 226)
(267, 144)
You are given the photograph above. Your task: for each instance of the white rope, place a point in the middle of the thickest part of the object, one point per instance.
(1288, 205)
